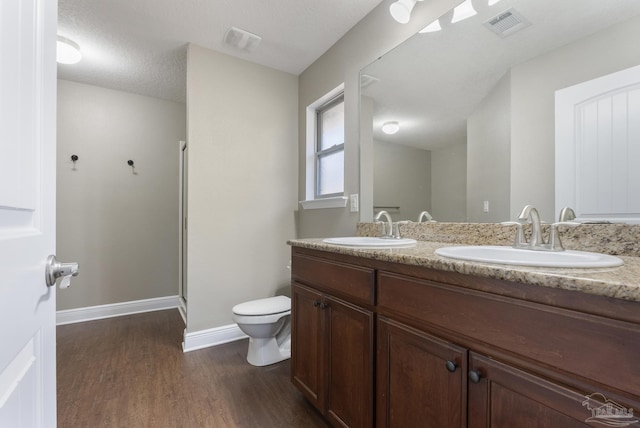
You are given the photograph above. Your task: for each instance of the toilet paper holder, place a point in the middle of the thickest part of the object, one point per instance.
(54, 270)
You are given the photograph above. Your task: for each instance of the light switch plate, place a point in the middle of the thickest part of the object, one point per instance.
(354, 203)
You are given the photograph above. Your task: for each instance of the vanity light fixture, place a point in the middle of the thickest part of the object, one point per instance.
(401, 10)
(432, 28)
(67, 51)
(463, 11)
(390, 127)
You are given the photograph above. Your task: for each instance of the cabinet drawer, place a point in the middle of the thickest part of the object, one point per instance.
(584, 345)
(340, 279)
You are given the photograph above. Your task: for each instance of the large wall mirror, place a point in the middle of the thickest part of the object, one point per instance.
(475, 106)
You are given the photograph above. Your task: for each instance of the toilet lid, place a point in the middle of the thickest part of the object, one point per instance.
(271, 305)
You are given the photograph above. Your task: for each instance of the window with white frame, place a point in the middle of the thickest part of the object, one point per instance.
(329, 149)
(324, 165)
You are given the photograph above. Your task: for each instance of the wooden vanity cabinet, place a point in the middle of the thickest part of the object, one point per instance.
(421, 380)
(452, 350)
(529, 365)
(332, 341)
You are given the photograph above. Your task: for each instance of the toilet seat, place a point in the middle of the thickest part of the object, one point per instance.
(259, 319)
(262, 311)
(268, 306)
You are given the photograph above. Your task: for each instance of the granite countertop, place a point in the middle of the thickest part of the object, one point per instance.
(621, 282)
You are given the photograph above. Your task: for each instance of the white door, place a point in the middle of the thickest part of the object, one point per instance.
(27, 212)
(598, 147)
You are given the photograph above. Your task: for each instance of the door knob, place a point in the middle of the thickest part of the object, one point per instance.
(54, 270)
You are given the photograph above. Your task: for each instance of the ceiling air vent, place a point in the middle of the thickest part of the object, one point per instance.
(242, 39)
(367, 80)
(507, 23)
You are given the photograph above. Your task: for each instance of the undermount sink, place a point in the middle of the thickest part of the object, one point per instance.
(370, 242)
(523, 257)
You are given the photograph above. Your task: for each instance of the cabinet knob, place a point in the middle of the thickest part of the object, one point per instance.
(316, 303)
(324, 305)
(451, 366)
(475, 376)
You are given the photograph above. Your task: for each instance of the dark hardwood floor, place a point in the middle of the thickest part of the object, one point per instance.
(131, 372)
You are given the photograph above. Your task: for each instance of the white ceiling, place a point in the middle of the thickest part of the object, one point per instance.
(139, 46)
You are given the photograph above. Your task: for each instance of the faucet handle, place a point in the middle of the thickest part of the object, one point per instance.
(519, 240)
(383, 232)
(555, 243)
(396, 228)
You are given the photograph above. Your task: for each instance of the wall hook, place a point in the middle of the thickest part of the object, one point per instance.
(74, 158)
(133, 167)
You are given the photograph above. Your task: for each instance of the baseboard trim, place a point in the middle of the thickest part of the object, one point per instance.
(91, 313)
(211, 337)
(182, 307)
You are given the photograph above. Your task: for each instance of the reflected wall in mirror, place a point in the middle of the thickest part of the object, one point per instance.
(475, 105)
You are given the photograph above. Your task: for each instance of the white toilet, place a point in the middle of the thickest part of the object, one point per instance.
(267, 322)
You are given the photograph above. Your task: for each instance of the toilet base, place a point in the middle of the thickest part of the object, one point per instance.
(263, 352)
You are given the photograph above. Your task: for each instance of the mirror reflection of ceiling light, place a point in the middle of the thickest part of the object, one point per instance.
(463, 11)
(431, 28)
(67, 51)
(390, 127)
(401, 10)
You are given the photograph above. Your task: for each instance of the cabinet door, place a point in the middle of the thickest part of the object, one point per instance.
(349, 331)
(506, 397)
(420, 379)
(306, 343)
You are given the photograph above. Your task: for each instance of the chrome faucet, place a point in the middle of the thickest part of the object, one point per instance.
(566, 214)
(425, 216)
(535, 241)
(385, 233)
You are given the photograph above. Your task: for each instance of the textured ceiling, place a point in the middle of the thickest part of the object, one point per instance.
(139, 46)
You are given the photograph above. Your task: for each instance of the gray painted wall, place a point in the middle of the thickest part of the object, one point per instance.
(242, 177)
(400, 167)
(488, 156)
(449, 183)
(532, 105)
(121, 227)
(372, 37)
